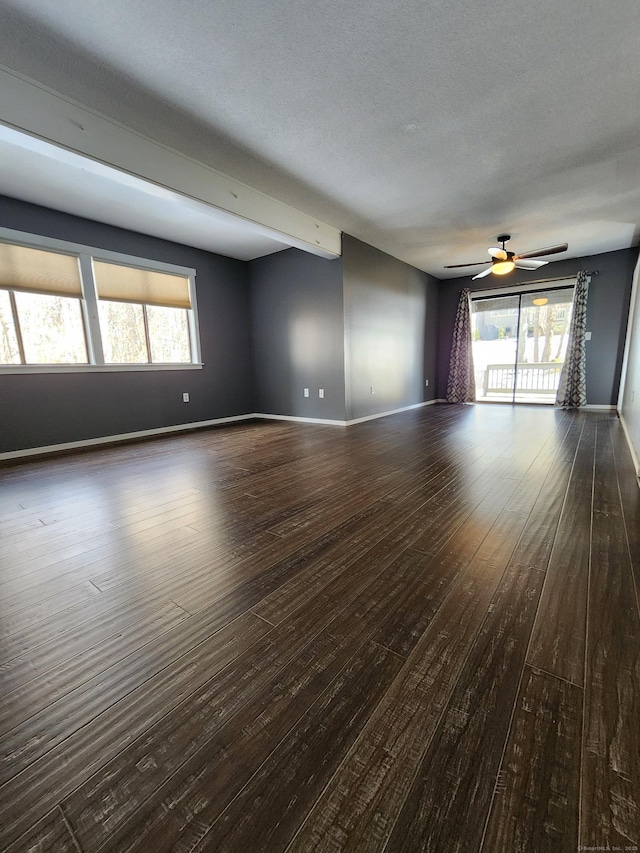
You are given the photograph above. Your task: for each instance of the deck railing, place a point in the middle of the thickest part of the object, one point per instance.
(540, 378)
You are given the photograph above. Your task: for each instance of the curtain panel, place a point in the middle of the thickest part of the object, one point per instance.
(572, 389)
(461, 386)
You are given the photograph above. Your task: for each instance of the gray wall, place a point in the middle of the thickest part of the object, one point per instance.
(390, 312)
(42, 409)
(282, 323)
(607, 311)
(298, 331)
(630, 402)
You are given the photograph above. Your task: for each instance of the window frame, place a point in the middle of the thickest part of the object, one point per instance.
(89, 306)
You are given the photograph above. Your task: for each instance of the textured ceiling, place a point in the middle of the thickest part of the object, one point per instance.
(424, 128)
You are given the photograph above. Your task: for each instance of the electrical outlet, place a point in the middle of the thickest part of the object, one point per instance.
(372, 391)
(321, 393)
(306, 392)
(185, 397)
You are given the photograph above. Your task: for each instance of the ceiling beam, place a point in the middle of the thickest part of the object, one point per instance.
(33, 108)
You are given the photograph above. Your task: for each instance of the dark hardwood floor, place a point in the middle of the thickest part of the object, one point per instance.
(416, 633)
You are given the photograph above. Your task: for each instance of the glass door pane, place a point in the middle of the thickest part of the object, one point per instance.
(544, 326)
(494, 329)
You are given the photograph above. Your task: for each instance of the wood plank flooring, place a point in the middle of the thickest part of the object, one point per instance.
(419, 633)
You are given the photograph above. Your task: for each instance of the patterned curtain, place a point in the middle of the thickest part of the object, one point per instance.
(461, 387)
(572, 390)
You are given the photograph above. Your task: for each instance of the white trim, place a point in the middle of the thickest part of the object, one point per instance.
(89, 307)
(94, 368)
(634, 454)
(194, 323)
(46, 114)
(66, 247)
(349, 422)
(147, 433)
(298, 420)
(125, 436)
(515, 289)
(393, 412)
(627, 340)
(597, 408)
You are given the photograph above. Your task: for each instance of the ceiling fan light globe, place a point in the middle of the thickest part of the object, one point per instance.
(502, 267)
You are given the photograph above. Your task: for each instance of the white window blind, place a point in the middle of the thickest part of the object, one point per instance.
(132, 284)
(39, 271)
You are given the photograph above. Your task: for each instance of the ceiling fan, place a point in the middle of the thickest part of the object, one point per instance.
(503, 262)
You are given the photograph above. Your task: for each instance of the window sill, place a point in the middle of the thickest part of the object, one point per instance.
(93, 368)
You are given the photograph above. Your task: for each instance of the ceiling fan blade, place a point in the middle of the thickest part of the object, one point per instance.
(482, 274)
(551, 250)
(456, 266)
(498, 253)
(530, 265)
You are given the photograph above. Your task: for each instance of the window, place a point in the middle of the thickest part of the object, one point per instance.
(68, 307)
(143, 314)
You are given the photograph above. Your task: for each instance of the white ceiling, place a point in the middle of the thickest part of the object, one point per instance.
(422, 127)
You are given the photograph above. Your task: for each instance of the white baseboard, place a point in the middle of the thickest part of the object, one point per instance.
(635, 452)
(298, 420)
(346, 423)
(594, 408)
(125, 436)
(148, 433)
(393, 412)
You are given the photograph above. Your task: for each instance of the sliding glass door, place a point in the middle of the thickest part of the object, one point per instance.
(542, 343)
(519, 344)
(494, 328)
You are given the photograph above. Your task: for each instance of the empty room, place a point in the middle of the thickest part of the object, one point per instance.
(319, 427)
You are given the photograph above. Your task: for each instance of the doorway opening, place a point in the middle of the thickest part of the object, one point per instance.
(519, 344)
